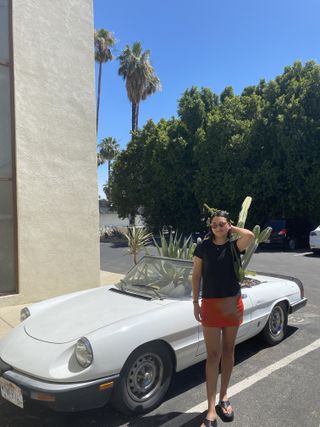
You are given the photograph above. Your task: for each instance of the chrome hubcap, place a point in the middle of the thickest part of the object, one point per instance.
(276, 321)
(145, 377)
(292, 244)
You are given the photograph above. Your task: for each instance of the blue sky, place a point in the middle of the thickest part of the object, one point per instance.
(205, 43)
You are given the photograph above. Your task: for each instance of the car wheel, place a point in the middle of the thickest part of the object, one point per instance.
(292, 244)
(276, 327)
(144, 379)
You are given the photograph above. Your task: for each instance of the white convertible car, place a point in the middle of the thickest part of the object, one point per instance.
(122, 343)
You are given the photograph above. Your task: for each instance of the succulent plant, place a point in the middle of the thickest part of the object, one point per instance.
(175, 248)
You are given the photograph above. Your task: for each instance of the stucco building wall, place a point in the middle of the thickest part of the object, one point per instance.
(54, 96)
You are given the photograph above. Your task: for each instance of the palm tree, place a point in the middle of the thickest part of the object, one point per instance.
(103, 41)
(108, 149)
(141, 80)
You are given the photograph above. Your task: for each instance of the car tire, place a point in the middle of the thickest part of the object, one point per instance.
(291, 244)
(276, 326)
(144, 379)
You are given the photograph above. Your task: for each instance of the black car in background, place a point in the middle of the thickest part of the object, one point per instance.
(288, 233)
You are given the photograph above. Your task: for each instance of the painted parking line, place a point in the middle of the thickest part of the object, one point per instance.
(248, 382)
(304, 253)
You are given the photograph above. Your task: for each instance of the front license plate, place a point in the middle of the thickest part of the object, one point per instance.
(11, 392)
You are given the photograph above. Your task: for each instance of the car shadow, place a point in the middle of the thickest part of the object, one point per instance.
(195, 375)
(312, 255)
(256, 344)
(190, 419)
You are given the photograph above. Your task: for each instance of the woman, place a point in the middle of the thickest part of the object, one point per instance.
(221, 309)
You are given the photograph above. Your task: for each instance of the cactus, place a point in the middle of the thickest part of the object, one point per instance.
(241, 263)
(244, 211)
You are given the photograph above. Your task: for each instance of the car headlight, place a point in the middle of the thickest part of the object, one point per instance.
(83, 352)
(24, 314)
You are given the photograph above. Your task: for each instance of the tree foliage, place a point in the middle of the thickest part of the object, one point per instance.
(264, 142)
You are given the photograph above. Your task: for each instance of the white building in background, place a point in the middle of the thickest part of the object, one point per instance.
(49, 221)
(109, 218)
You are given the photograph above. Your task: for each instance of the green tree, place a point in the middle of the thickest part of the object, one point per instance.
(126, 181)
(140, 77)
(285, 145)
(264, 142)
(194, 107)
(221, 154)
(108, 149)
(152, 176)
(227, 93)
(104, 40)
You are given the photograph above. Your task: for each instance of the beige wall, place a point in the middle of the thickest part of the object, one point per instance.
(57, 196)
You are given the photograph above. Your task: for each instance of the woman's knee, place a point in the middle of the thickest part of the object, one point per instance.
(213, 356)
(228, 350)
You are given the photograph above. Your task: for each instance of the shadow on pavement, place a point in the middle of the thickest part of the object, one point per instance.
(312, 255)
(188, 419)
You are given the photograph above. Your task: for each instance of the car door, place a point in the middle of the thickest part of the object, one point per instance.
(262, 297)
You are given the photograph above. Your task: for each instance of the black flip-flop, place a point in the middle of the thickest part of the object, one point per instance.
(210, 423)
(225, 416)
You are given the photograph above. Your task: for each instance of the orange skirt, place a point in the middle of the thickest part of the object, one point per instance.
(222, 312)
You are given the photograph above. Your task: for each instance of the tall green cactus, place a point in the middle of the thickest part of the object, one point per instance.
(241, 264)
(244, 211)
(259, 237)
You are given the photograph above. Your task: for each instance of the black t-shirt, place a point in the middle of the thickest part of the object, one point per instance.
(218, 275)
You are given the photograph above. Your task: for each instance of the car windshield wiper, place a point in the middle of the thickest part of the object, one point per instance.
(148, 287)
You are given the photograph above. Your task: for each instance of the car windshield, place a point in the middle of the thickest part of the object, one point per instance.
(160, 278)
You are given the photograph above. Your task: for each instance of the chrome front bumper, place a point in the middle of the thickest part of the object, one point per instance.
(297, 305)
(67, 397)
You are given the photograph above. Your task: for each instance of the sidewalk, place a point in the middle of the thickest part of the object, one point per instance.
(10, 316)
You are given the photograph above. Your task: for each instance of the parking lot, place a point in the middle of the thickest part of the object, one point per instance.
(276, 386)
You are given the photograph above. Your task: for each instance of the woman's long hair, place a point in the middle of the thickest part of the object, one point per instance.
(223, 214)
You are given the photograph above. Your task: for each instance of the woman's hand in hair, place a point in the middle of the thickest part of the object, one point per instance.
(245, 237)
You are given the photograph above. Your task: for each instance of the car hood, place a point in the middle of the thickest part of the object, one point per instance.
(84, 313)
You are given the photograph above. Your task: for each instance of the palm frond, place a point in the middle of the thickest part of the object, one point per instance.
(138, 239)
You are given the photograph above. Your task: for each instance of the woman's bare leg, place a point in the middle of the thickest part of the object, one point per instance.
(227, 360)
(212, 337)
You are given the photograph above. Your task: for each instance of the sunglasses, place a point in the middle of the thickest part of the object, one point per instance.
(219, 224)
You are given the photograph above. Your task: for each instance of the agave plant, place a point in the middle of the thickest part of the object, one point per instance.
(174, 248)
(241, 262)
(138, 238)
